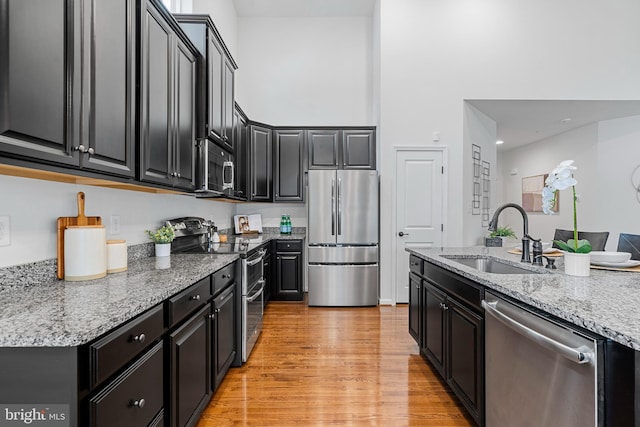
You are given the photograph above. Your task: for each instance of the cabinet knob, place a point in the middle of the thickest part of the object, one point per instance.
(178, 175)
(91, 151)
(195, 297)
(139, 338)
(212, 316)
(226, 276)
(138, 403)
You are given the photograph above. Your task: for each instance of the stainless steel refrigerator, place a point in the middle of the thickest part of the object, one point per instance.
(343, 238)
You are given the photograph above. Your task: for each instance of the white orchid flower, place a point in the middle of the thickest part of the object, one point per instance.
(548, 200)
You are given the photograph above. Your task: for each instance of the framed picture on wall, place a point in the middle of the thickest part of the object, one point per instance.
(532, 193)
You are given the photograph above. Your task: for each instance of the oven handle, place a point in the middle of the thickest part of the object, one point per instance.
(258, 293)
(256, 260)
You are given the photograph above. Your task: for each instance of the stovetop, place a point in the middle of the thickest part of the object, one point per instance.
(234, 245)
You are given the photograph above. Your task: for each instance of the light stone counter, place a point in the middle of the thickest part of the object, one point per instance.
(607, 302)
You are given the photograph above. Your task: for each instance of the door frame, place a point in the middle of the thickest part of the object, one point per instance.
(394, 209)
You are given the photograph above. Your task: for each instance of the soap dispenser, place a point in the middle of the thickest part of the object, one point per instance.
(215, 238)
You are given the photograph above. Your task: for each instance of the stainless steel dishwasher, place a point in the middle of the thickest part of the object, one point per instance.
(539, 372)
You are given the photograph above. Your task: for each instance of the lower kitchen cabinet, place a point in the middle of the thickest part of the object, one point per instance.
(288, 283)
(449, 330)
(223, 334)
(190, 364)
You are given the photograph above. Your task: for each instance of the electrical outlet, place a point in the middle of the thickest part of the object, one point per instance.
(5, 231)
(115, 224)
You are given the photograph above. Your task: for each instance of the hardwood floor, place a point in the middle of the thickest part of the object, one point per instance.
(316, 366)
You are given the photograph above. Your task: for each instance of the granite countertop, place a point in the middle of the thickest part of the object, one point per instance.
(606, 302)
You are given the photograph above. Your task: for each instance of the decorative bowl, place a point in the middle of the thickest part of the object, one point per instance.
(603, 256)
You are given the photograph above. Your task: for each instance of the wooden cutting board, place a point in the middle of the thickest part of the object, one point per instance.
(634, 269)
(67, 221)
(550, 254)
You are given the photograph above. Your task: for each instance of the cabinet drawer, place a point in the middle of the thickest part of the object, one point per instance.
(415, 265)
(223, 277)
(464, 290)
(135, 397)
(289, 246)
(195, 296)
(115, 350)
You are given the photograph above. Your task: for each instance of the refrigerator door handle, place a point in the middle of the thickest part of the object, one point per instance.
(333, 204)
(339, 206)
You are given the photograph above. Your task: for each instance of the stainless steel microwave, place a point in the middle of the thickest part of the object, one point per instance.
(215, 170)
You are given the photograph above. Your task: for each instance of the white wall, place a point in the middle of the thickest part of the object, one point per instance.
(34, 206)
(606, 155)
(435, 54)
(223, 14)
(305, 71)
(272, 212)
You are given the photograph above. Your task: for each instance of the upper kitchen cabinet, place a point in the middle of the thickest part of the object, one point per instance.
(260, 169)
(64, 101)
(169, 88)
(241, 158)
(348, 148)
(288, 165)
(219, 69)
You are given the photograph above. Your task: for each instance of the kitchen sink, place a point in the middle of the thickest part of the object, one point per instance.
(492, 265)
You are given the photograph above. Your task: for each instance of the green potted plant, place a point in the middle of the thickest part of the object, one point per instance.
(496, 237)
(576, 252)
(162, 237)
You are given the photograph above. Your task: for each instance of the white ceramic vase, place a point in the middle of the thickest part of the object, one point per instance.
(163, 249)
(577, 264)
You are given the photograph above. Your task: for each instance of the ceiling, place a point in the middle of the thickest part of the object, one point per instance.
(309, 8)
(521, 122)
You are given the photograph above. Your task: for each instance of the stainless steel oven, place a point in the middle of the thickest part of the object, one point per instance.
(253, 284)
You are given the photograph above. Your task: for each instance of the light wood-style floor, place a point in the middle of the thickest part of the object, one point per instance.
(316, 366)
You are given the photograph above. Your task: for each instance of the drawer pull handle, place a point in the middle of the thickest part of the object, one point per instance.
(195, 297)
(139, 338)
(138, 403)
(226, 276)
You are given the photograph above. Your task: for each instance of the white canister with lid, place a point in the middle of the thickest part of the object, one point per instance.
(85, 253)
(116, 256)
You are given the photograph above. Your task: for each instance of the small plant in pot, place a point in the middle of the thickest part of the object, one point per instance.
(162, 237)
(496, 237)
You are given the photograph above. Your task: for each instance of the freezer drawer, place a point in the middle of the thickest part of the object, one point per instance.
(343, 285)
(343, 254)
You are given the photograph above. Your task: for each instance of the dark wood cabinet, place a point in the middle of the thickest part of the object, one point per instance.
(288, 269)
(241, 154)
(453, 334)
(135, 397)
(260, 170)
(345, 148)
(218, 78)
(190, 364)
(415, 308)
(223, 334)
(289, 154)
(169, 89)
(358, 149)
(67, 102)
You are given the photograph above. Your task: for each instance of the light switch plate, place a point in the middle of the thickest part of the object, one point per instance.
(5, 231)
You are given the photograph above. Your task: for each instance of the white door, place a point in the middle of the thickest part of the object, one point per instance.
(419, 208)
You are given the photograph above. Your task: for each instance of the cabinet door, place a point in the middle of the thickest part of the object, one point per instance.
(185, 116)
(288, 276)
(323, 149)
(110, 86)
(39, 79)
(189, 384)
(241, 148)
(215, 62)
(289, 167)
(465, 361)
(260, 171)
(224, 330)
(434, 332)
(227, 106)
(415, 308)
(157, 97)
(358, 149)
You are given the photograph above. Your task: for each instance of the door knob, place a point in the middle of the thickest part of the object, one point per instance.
(402, 234)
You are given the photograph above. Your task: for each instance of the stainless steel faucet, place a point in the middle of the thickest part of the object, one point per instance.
(493, 225)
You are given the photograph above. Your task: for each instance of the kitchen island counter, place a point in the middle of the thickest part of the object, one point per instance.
(607, 302)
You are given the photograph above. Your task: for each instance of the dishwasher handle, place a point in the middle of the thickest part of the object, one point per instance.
(570, 353)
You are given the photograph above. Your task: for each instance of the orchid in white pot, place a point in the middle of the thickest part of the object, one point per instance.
(559, 179)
